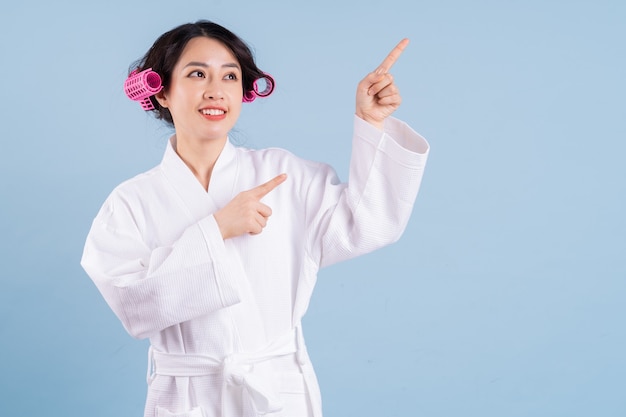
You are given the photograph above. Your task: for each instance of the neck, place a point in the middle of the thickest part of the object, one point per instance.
(200, 157)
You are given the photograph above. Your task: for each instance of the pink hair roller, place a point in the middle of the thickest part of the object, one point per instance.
(249, 96)
(140, 86)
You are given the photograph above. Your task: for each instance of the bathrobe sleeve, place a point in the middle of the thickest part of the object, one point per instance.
(373, 208)
(152, 289)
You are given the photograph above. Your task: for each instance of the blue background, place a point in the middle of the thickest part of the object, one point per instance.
(505, 296)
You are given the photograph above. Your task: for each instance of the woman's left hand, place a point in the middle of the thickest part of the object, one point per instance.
(377, 97)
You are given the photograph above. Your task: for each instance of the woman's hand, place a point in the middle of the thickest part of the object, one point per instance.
(245, 213)
(377, 97)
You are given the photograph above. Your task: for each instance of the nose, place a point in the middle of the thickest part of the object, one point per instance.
(213, 89)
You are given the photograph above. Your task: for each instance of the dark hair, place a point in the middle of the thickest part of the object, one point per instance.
(167, 49)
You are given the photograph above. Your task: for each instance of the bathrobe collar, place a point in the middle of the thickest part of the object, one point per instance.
(221, 190)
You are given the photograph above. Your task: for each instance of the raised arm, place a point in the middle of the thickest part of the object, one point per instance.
(386, 168)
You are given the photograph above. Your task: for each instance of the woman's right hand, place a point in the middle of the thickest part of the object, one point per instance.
(245, 213)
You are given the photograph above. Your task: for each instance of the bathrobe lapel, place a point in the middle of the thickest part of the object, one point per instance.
(199, 204)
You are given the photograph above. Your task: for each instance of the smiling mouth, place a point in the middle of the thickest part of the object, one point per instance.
(212, 112)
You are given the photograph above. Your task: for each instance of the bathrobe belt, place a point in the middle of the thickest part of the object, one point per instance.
(237, 372)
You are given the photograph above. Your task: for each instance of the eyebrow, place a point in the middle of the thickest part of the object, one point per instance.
(204, 65)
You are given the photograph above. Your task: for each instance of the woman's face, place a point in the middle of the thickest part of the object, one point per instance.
(205, 91)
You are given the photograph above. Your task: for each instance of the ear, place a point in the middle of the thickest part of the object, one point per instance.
(161, 98)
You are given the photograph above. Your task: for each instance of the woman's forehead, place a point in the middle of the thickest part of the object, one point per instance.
(207, 50)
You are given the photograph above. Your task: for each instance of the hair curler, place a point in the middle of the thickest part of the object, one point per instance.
(140, 86)
(249, 96)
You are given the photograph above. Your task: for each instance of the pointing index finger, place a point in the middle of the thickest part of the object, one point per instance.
(263, 189)
(393, 56)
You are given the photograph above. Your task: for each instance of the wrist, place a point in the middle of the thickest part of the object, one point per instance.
(223, 230)
(378, 124)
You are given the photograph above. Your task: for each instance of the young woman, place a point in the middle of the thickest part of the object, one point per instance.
(213, 254)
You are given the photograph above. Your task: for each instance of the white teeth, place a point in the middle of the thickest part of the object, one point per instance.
(212, 112)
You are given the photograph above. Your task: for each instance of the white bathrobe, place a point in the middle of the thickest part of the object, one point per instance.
(224, 316)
